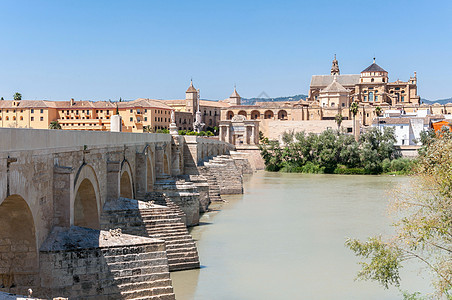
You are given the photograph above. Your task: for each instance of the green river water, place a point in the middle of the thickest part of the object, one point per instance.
(284, 239)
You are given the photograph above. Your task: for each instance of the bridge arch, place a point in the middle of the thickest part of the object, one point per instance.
(87, 201)
(150, 174)
(126, 181)
(166, 162)
(18, 249)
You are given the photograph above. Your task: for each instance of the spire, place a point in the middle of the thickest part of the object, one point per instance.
(191, 88)
(335, 67)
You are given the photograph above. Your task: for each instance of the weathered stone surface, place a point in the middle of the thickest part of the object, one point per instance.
(80, 263)
(158, 221)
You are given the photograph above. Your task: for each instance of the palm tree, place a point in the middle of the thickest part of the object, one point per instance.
(338, 118)
(54, 125)
(147, 129)
(378, 111)
(354, 107)
(17, 96)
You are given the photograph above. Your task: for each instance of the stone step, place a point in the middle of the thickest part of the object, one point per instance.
(184, 266)
(147, 292)
(159, 297)
(183, 250)
(140, 271)
(145, 285)
(178, 239)
(141, 278)
(171, 247)
(135, 256)
(136, 264)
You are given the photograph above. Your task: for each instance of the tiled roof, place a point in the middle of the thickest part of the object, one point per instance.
(235, 94)
(373, 68)
(322, 81)
(27, 104)
(335, 87)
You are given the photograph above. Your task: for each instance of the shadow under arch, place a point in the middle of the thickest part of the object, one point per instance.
(87, 201)
(150, 174)
(19, 266)
(166, 162)
(126, 181)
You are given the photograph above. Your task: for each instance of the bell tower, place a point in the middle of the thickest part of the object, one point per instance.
(335, 67)
(191, 98)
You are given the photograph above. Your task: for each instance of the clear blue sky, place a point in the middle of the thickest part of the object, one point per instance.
(100, 50)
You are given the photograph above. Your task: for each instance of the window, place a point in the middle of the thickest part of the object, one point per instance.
(371, 96)
(101, 111)
(76, 112)
(21, 110)
(72, 111)
(97, 111)
(32, 111)
(403, 98)
(145, 119)
(131, 111)
(365, 98)
(32, 118)
(131, 119)
(367, 115)
(7, 118)
(372, 80)
(108, 112)
(376, 97)
(343, 104)
(145, 110)
(21, 118)
(41, 119)
(83, 111)
(14, 118)
(87, 112)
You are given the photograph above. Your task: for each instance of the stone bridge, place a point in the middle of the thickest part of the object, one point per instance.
(62, 194)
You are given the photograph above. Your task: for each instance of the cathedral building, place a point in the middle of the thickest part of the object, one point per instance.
(371, 87)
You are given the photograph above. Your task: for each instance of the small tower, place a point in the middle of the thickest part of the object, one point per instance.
(191, 97)
(335, 67)
(235, 98)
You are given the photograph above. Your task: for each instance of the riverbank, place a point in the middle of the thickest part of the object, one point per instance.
(284, 239)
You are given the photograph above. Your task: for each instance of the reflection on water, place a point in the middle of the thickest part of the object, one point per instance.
(284, 239)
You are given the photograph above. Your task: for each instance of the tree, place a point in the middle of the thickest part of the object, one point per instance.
(2, 98)
(54, 125)
(424, 232)
(147, 129)
(354, 107)
(17, 96)
(378, 111)
(338, 118)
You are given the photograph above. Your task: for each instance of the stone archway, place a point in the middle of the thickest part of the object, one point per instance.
(165, 164)
(268, 114)
(87, 201)
(242, 113)
(19, 263)
(85, 206)
(126, 182)
(149, 174)
(255, 114)
(282, 115)
(229, 115)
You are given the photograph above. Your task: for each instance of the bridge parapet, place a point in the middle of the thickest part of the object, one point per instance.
(198, 149)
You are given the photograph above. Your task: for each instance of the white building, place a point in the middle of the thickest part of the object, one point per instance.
(408, 127)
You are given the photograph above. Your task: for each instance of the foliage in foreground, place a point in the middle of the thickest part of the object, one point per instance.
(424, 233)
(335, 152)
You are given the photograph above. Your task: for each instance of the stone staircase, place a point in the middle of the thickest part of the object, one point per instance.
(214, 188)
(183, 193)
(82, 263)
(226, 173)
(163, 222)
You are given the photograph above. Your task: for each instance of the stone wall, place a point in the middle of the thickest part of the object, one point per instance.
(80, 263)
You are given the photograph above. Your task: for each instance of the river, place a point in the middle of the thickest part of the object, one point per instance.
(284, 239)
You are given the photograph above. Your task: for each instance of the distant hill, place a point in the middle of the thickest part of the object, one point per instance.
(441, 101)
(252, 101)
